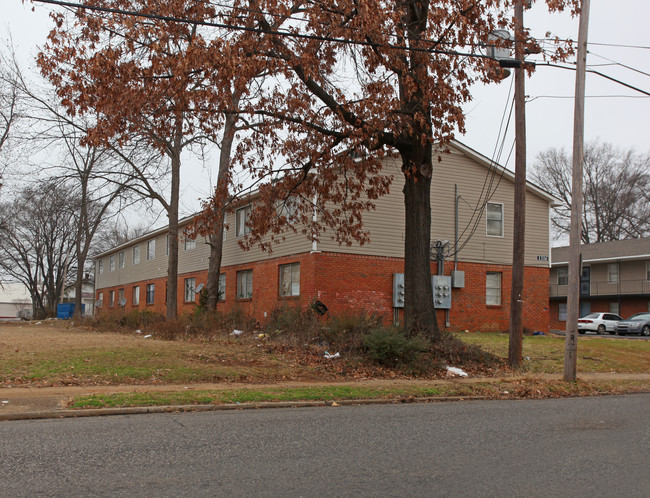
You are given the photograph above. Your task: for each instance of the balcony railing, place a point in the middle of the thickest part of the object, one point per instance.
(603, 288)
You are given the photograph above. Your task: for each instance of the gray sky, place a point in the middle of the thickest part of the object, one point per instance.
(613, 113)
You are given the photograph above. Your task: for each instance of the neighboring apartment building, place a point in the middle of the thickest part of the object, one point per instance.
(615, 278)
(360, 278)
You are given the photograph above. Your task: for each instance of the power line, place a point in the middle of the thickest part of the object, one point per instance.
(621, 64)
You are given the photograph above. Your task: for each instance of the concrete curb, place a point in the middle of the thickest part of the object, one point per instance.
(141, 410)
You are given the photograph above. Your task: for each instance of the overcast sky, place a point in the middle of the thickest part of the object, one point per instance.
(618, 35)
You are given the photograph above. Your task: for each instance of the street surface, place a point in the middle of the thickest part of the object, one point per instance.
(567, 447)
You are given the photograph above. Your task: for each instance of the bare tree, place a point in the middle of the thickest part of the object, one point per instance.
(9, 100)
(616, 184)
(38, 232)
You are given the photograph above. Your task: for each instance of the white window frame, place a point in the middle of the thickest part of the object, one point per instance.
(100, 266)
(564, 276)
(613, 273)
(190, 244)
(242, 215)
(561, 312)
(151, 289)
(167, 247)
(100, 298)
(190, 290)
(614, 308)
(120, 296)
(111, 298)
(136, 254)
(111, 262)
(491, 278)
(288, 208)
(647, 271)
(136, 295)
(488, 219)
(120, 259)
(151, 249)
(245, 284)
(292, 287)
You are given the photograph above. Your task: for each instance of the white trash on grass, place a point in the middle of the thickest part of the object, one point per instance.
(237, 332)
(147, 336)
(330, 356)
(451, 371)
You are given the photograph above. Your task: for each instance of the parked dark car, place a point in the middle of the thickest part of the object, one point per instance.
(638, 323)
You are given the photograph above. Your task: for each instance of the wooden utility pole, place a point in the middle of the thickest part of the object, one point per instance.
(519, 228)
(573, 298)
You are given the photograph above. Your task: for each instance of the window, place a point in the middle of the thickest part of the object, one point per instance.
(562, 312)
(120, 297)
(151, 289)
(136, 295)
(647, 271)
(121, 259)
(243, 216)
(136, 255)
(190, 244)
(167, 249)
(100, 299)
(111, 298)
(151, 249)
(290, 280)
(614, 308)
(190, 290)
(494, 219)
(111, 262)
(288, 208)
(245, 284)
(221, 289)
(100, 266)
(563, 275)
(493, 289)
(612, 273)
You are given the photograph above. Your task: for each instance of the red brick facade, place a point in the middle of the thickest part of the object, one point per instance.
(627, 307)
(348, 282)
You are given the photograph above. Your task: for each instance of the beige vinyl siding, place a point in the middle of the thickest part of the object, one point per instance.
(233, 254)
(386, 223)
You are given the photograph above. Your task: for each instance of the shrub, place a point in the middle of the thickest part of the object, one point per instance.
(389, 346)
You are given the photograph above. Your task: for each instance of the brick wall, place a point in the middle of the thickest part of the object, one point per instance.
(628, 307)
(348, 282)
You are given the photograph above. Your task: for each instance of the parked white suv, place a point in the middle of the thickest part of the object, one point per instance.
(599, 323)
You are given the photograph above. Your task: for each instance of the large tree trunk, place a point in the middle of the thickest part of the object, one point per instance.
(172, 265)
(216, 233)
(419, 314)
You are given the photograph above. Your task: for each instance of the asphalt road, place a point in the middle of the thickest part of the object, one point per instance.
(568, 447)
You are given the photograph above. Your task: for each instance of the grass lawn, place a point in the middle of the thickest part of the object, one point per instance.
(545, 353)
(54, 354)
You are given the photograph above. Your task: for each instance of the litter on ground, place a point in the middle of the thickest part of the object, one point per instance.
(451, 371)
(237, 332)
(330, 356)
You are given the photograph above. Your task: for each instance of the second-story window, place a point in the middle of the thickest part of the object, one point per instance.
(151, 249)
(136, 255)
(563, 275)
(494, 213)
(190, 244)
(100, 266)
(120, 257)
(243, 216)
(111, 262)
(612, 273)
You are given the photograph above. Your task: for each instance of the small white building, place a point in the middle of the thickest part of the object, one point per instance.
(15, 302)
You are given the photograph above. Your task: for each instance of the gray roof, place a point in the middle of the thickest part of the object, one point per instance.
(605, 251)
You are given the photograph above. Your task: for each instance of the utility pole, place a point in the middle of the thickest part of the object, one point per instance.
(573, 298)
(515, 344)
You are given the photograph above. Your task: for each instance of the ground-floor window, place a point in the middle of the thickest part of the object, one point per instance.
(190, 290)
(136, 295)
(100, 299)
(120, 297)
(245, 284)
(561, 312)
(111, 298)
(151, 289)
(221, 288)
(290, 280)
(493, 288)
(614, 308)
